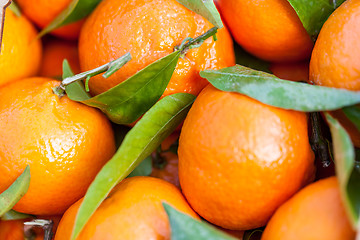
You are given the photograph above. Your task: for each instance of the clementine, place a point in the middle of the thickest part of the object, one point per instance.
(133, 210)
(65, 143)
(55, 51)
(43, 12)
(335, 60)
(316, 212)
(20, 55)
(149, 30)
(245, 158)
(268, 29)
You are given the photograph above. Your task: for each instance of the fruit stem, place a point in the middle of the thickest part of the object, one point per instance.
(319, 144)
(190, 43)
(47, 225)
(109, 69)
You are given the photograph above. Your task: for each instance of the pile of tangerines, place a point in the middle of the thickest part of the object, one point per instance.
(240, 164)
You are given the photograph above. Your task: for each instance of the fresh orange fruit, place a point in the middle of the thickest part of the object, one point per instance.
(268, 29)
(166, 167)
(20, 55)
(149, 30)
(65, 143)
(297, 72)
(316, 212)
(55, 51)
(335, 60)
(132, 211)
(43, 12)
(12, 230)
(239, 159)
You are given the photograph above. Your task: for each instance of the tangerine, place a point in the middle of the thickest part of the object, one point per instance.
(246, 158)
(133, 210)
(315, 212)
(269, 29)
(65, 143)
(149, 30)
(45, 11)
(20, 55)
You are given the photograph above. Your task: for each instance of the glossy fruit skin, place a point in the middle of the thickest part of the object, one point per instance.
(149, 30)
(268, 29)
(245, 157)
(316, 212)
(21, 52)
(132, 211)
(55, 51)
(45, 11)
(335, 60)
(65, 143)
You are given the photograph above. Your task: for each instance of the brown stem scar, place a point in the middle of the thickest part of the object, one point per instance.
(3, 5)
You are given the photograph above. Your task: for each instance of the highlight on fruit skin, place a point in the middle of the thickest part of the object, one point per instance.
(315, 212)
(57, 138)
(245, 157)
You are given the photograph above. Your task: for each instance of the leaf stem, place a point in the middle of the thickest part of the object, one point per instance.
(109, 69)
(319, 143)
(190, 43)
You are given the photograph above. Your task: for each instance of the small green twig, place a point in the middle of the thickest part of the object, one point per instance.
(109, 69)
(190, 43)
(319, 144)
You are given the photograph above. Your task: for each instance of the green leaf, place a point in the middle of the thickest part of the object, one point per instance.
(15, 192)
(126, 102)
(77, 9)
(75, 91)
(314, 13)
(273, 91)
(13, 215)
(184, 227)
(205, 8)
(347, 170)
(157, 124)
(144, 168)
(15, 9)
(353, 113)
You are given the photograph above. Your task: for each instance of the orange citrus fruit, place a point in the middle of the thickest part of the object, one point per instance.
(268, 29)
(335, 60)
(43, 12)
(132, 211)
(149, 30)
(166, 167)
(20, 55)
(297, 72)
(65, 143)
(55, 51)
(316, 212)
(12, 230)
(239, 159)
